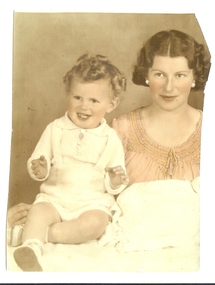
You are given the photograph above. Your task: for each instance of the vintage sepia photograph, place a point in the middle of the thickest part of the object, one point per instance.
(106, 157)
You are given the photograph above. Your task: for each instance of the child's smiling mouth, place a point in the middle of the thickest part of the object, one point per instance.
(83, 116)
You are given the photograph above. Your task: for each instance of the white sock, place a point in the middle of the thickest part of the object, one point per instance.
(36, 245)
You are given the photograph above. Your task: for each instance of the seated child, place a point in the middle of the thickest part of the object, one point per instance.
(80, 160)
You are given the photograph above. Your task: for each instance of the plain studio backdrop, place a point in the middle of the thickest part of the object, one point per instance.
(46, 46)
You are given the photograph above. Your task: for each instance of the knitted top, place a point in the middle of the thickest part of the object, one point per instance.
(147, 160)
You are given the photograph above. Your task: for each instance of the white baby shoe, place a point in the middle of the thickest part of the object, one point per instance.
(28, 255)
(15, 238)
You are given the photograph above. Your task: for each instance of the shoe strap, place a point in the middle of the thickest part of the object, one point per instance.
(32, 242)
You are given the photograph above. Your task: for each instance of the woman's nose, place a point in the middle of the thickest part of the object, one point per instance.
(169, 85)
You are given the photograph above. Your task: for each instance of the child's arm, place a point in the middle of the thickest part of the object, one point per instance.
(39, 167)
(117, 176)
(41, 157)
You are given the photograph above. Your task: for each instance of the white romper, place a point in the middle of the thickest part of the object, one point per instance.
(76, 181)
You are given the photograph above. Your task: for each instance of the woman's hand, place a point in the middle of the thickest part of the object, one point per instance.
(117, 176)
(39, 167)
(17, 214)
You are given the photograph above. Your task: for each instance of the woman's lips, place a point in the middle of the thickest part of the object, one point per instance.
(168, 98)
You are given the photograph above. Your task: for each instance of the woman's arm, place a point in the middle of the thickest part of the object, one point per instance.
(17, 214)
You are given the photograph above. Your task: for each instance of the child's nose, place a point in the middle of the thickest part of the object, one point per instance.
(85, 105)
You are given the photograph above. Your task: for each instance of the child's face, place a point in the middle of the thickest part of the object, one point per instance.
(88, 102)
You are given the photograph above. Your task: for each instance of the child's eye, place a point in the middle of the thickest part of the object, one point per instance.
(94, 101)
(77, 97)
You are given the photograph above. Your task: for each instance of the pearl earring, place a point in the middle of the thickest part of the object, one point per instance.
(193, 84)
(147, 81)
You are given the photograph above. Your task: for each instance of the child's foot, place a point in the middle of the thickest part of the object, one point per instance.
(16, 235)
(27, 258)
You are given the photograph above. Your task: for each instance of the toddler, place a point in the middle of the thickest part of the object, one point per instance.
(80, 160)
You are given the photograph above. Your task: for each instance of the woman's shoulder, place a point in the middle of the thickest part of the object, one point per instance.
(123, 121)
(128, 116)
(196, 118)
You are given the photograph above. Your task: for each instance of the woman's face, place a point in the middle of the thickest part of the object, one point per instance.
(170, 82)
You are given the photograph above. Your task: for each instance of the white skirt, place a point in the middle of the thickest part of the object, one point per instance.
(156, 214)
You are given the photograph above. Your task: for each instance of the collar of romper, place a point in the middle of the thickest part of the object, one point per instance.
(66, 123)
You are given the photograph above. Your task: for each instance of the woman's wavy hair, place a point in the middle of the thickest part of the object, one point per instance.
(90, 68)
(173, 43)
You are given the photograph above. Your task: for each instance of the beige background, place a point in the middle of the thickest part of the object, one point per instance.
(46, 45)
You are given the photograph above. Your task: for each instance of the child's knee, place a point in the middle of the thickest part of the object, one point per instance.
(96, 222)
(37, 206)
(44, 211)
(56, 232)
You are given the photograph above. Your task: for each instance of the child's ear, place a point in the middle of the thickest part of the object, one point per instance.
(113, 104)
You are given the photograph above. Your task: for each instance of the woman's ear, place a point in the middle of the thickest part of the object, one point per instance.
(113, 104)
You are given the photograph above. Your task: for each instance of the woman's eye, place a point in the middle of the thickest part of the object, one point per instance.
(159, 74)
(180, 75)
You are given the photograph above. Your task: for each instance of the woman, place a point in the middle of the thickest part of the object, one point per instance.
(165, 136)
(162, 147)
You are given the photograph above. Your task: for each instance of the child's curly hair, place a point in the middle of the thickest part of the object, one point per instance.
(173, 43)
(90, 68)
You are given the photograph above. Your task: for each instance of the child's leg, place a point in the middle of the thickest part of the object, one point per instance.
(88, 226)
(40, 216)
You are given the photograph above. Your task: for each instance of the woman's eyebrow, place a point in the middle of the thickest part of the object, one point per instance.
(180, 71)
(156, 69)
(183, 71)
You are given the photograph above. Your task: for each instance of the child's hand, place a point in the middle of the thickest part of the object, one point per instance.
(39, 167)
(117, 176)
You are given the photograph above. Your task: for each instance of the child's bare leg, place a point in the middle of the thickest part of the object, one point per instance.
(40, 216)
(88, 226)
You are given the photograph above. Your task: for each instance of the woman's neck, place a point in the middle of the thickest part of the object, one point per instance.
(169, 116)
(170, 128)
